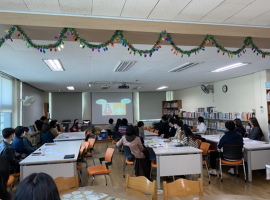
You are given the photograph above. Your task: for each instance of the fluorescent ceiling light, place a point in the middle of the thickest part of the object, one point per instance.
(54, 64)
(230, 67)
(70, 88)
(162, 87)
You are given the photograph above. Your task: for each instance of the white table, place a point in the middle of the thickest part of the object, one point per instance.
(149, 134)
(53, 163)
(175, 160)
(256, 153)
(70, 136)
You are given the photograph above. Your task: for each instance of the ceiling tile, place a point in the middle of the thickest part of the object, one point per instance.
(43, 5)
(108, 7)
(197, 9)
(263, 20)
(138, 8)
(76, 7)
(13, 5)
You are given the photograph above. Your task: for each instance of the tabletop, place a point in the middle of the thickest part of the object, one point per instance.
(148, 133)
(103, 193)
(159, 147)
(54, 153)
(70, 136)
(248, 144)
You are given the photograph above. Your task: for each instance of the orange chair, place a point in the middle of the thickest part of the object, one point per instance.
(83, 159)
(262, 138)
(148, 129)
(199, 143)
(205, 147)
(90, 148)
(102, 170)
(156, 131)
(152, 130)
(79, 165)
(10, 182)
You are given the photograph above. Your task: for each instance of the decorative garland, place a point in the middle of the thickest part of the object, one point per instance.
(118, 36)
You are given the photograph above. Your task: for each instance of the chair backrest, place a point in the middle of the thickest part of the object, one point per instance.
(182, 188)
(109, 154)
(81, 154)
(233, 152)
(204, 147)
(148, 129)
(142, 185)
(151, 130)
(91, 143)
(66, 183)
(127, 152)
(156, 131)
(86, 145)
(117, 136)
(199, 142)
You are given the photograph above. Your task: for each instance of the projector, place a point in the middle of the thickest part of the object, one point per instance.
(124, 86)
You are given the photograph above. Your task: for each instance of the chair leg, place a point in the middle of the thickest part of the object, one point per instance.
(244, 169)
(133, 167)
(105, 179)
(112, 143)
(11, 189)
(88, 179)
(79, 171)
(237, 171)
(173, 178)
(93, 180)
(111, 179)
(93, 159)
(124, 169)
(207, 171)
(220, 169)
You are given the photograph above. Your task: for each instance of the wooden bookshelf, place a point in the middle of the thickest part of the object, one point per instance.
(268, 103)
(169, 107)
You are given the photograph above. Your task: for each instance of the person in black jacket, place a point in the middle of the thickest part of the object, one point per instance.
(239, 127)
(163, 127)
(39, 123)
(172, 130)
(8, 152)
(231, 137)
(255, 132)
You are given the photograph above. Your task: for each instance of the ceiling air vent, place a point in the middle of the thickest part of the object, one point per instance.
(124, 66)
(183, 67)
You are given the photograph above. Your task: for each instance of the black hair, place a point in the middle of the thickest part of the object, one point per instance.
(176, 117)
(200, 119)
(164, 118)
(179, 123)
(184, 126)
(118, 122)
(140, 124)
(45, 128)
(230, 125)
(238, 123)
(7, 132)
(19, 130)
(111, 121)
(188, 133)
(130, 131)
(124, 121)
(4, 176)
(39, 186)
(26, 129)
(172, 121)
(76, 120)
(53, 124)
(43, 118)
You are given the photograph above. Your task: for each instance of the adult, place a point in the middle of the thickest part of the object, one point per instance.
(143, 164)
(75, 127)
(172, 130)
(4, 176)
(39, 123)
(8, 152)
(178, 133)
(46, 134)
(188, 138)
(107, 110)
(118, 122)
(53, 128)
(163, 127)
(57, 125)
(239, 127)
(231, 137)
(39, 186)
(18, 144)
(201, 125)
(28, 145)
(141, 129)
(111, 126)
(255, 132)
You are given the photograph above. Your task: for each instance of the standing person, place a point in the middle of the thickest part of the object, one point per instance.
(255, 132)
(39, 123)
(163, 127)
(143, 164)
(8, 152)
(4, 176)
(172, 130)
(28, 145)
(141, 129)
(75, 127)
(39, 186)
(18, 144)
(239, 127)
(53, 128)
(118, 122)
(201, 125)
(231, 137)
(107, 110)
(46, 134)
(111, 126)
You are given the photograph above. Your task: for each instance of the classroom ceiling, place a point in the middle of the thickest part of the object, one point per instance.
(244, 12)
(83, 66)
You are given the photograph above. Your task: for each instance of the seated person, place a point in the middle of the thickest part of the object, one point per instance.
(88, 135)
(117, 124)
(8, 152)
(46, 135)
(28, 145)
(4, 176)
(57, 126)
(75, 127)
(172, 130)
(39, 186)
(39, 123)
(188, 138)
(142, 165)
(239, 127)
(123, 126)
(141, 129)
(18, 144)
(231, 137)
(163, 127)
(53, 128)
(202, 128)
(178, 134)
(255, 133)
(111, 126)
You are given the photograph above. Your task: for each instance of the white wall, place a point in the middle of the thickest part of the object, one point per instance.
(86, 106)
(244, 94)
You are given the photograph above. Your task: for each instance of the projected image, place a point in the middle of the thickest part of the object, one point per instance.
(114, 109)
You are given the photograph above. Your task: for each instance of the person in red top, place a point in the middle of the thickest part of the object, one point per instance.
(74, 127)
(107, 110)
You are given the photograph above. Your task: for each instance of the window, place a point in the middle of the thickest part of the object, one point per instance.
(5, 102)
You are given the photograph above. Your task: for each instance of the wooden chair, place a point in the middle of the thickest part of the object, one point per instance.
(142, 185)
(205, 147)
(66, 183)
(89, 153)
(102, 170)
(156, 131)
(199, 143)
(152, 130)
(182, 188)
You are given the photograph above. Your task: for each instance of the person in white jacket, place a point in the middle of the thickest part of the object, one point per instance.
(201, 125)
